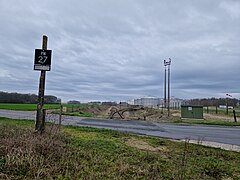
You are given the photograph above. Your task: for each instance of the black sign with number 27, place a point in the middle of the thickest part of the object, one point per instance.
(42, 60)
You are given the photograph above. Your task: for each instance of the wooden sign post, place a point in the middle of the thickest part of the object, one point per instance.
(42, 62)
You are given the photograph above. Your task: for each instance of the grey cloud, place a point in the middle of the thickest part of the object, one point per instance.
(114, 50)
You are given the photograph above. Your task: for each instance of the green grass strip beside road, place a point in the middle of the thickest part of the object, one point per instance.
(219, 123)
(16, 123)
(80, 114)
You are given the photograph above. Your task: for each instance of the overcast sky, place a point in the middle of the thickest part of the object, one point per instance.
(114, 50)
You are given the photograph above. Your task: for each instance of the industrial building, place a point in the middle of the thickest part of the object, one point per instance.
(154, 102)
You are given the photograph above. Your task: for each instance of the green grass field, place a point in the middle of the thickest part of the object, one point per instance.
(26, 107)
(89, 153)
(33, 107)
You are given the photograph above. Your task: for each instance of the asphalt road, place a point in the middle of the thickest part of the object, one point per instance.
(219, 134)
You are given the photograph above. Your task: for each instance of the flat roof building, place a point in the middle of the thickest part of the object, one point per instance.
(154, 102)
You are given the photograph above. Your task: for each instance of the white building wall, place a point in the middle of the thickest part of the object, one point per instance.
(154, 102)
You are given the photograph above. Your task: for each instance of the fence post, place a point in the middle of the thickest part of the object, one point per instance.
(234, 115)
(60, 116)
(216, 109)
(227, 109)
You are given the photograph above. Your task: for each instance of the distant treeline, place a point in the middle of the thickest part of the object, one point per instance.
(6, 97)
(214, 102)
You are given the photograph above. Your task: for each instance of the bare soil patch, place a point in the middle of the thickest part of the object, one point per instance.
(208, 117)
(142, 145)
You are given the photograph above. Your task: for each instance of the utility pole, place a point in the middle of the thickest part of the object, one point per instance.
(165, 81)
(40, 119)
(167, 63)
(169, 86)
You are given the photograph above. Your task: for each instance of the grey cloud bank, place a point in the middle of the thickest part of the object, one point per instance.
(114, 50)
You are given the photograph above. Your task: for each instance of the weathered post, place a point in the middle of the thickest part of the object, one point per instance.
(162, 108)
(60, 116)
(227, 109)
(234, 115)
(42, 62)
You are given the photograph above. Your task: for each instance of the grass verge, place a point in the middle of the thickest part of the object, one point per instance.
(89, 153)
(80, 114)
(219, 123)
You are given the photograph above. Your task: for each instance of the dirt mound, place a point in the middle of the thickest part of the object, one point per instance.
(137, 113)
(127, 112)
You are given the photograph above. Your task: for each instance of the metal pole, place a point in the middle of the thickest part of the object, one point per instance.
(165, 84)
(169, 89)
(40, 119)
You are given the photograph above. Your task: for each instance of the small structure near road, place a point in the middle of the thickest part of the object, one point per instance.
(192, 112)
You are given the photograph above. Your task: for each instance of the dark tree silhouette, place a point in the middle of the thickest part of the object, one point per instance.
(6, 97)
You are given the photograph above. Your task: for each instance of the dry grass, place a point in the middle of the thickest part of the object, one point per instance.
(218, 117)
(26, 154)
(143, 145)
